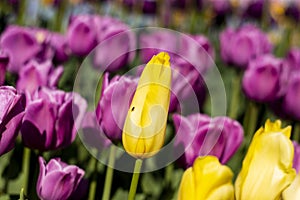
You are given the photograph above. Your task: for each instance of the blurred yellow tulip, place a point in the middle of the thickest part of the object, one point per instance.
(267, 168)
(207, 180)
(145, 124)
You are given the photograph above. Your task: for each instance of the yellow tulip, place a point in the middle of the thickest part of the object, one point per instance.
(206, 180)
(293, 191)
(145, 124)
(267, 168)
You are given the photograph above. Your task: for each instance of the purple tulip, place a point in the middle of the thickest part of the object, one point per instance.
(92, 135)
(114, 104)
(116, 44)
(57, 180)
(11, 113)
(60, 47)
(252, 8)
(219, 6)
(265, 79)
(148, 6)
(296, 162)
(293, 59)
(239, 46)
(82, 34)
(199, 135)
(50, 119)
(3, 64)
(34, 75)
(290, 104)
(20, 44)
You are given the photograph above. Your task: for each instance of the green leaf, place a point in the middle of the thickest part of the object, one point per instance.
(5, 197)
(150, 185)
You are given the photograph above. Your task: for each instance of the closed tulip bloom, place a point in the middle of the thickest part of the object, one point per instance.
(34, 75)
(12, 107)
(267, 167)
(293, 59)
(57, 180)
(60, 46)
(199, 135)
(116, 44)
(3, 64)
(49, 121)
(145, 124)
(265, 79)
(82, 35)
(20, 44)
(250, 41)
(114, 104)
(292, 192)
(207, 179)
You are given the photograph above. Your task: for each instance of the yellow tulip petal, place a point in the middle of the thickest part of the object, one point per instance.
(293, 191)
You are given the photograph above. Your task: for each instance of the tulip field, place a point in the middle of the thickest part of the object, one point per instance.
(150, 99)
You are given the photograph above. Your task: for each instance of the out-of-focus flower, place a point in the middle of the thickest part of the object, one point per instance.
(206, 180)
(265, 79)
(199, 135)
(82, 34)
(3, 64)
(20, 44)
(296, 162)
(292, 192)
(145, 124)
(239, 46)
(92, 135)
(219, 6)
(50, 119)
(114, 104)
(57, 180)
(116, 44)
(12, 107)
(146, 6)
(291, 100)
(251, 8)
(34, 75)
(60, 47)
(267, 168)
(293, 59)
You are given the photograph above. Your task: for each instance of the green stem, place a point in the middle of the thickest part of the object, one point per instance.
(109, 174)
(135, 179)
(296, 132)
(21, 12)
(93, 185)
(169, 173)
(60, 14)
(250, 121)
(235, 95)
(26, 168)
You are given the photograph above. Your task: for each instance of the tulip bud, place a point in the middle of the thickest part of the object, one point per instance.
(206, 180)
(267, 168)
(145, 124)
(57, 180)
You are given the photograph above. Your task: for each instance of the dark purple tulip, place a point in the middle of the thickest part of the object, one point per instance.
(12, 107)
(239, 46)
(114, 104)
(49, 121)
(293, 59)
(115, 43)
(290, 104)
(82, 34)
(57, 180)
(219, 6)
(252, 8)
(20, 44)
(150, 6)
(265, 79)
(34, 75)
(3, 64)
(81, 191)
(296, 162)
(200, 135)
